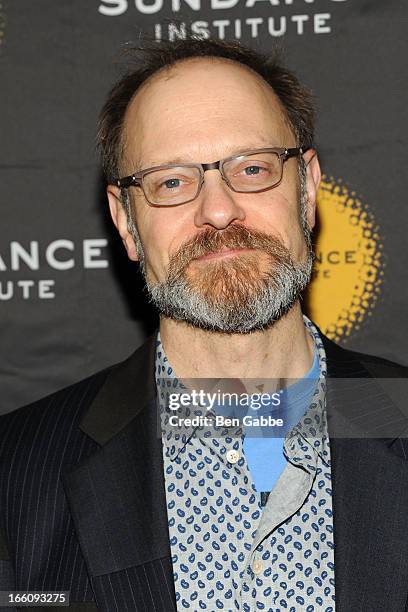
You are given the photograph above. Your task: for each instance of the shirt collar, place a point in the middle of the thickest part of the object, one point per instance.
(311, 429)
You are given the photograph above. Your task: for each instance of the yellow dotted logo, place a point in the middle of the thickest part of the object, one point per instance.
(349, 264)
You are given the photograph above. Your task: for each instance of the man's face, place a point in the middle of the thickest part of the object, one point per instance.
(224, 251)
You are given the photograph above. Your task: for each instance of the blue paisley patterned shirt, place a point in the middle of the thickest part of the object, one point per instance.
(228, 551)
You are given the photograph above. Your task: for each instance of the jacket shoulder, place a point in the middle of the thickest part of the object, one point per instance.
(60, 411)
(342, 361)
(65, 410)
(381, 367)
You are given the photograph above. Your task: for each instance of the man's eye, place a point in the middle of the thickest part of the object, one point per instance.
(251, 170)
(171, 183)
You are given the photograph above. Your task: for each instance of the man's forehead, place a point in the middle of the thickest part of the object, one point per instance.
(195, 68)
(200, 100)
(194, 80)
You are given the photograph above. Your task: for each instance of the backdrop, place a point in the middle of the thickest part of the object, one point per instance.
(70, 301)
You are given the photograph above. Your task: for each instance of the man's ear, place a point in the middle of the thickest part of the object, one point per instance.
(313, 177)
(119, 217)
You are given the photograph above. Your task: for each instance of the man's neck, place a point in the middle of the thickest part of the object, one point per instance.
(285, 350)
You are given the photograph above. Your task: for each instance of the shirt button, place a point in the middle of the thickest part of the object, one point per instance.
(257, 566)
(232, 456)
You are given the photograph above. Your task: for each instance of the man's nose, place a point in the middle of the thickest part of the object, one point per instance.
(218, 205)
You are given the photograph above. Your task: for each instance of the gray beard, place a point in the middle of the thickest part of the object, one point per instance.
(178, 301)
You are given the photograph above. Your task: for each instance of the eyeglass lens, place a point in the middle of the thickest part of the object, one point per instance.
(177, 185)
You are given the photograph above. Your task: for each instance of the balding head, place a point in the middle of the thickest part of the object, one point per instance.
(152, 58)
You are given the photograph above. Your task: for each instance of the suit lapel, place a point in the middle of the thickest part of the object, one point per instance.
(117, 496)
(370, 489)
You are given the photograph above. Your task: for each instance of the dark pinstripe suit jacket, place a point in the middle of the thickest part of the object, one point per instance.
(83, 502)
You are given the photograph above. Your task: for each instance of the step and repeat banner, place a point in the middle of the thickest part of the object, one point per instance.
(70, 301)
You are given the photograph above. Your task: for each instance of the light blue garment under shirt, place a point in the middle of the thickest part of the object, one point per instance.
(264, 454)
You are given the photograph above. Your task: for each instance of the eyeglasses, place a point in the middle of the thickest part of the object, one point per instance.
(174, 184)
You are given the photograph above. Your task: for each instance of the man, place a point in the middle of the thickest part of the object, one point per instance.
(208, 148)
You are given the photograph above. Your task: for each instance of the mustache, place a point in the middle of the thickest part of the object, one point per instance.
(233, 237)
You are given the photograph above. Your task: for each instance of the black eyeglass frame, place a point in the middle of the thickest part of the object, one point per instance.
(136, 179)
